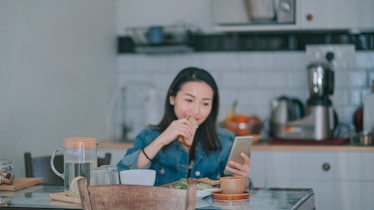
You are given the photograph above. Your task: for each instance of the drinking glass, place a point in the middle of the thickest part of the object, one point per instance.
(104, 175)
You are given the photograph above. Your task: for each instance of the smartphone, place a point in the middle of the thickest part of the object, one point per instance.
(241, 144)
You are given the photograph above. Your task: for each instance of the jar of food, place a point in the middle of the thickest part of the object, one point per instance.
(6, 172)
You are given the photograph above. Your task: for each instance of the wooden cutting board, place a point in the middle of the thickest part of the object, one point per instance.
(20, 183)
(60, 196)
(256, 138)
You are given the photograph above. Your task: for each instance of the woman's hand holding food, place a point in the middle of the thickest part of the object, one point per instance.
(238, 169)
(185, 140)
(181, 129)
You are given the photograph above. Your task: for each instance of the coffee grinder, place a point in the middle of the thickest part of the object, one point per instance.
(319, 120)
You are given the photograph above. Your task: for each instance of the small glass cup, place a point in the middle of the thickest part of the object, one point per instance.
(104, 175)
(366, 138)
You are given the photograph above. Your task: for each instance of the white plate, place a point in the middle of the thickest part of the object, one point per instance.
(203, 193)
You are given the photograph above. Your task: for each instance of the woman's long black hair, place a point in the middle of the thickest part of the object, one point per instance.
(206, 134)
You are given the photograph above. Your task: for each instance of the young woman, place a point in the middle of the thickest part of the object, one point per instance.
(186, 142)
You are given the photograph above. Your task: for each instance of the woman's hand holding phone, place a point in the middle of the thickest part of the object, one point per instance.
(238, 169)
(238, 163)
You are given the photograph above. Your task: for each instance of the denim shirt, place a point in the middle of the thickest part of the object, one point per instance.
(171, 163)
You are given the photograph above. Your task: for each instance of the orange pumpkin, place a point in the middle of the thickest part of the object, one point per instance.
(241, 122)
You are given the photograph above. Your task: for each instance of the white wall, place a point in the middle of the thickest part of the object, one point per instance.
(135, 13)
(57, 73)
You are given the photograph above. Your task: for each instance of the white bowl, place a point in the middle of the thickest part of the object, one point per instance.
(138, 177)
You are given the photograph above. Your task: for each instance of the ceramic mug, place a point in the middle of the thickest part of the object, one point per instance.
(155, 35)
(232, 185)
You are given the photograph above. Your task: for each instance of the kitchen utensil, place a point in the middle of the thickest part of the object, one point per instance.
(145, 177)
(286, 109)
(60, 196)
(21, 183)
(320, 80)
(79, 159)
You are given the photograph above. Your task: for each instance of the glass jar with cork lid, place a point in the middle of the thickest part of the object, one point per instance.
(6, 172)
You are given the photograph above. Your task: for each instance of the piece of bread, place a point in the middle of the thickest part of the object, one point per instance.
(195, 125)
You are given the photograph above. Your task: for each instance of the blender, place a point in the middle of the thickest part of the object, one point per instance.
(320, 119)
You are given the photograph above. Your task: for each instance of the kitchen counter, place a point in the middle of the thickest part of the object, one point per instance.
(264, 146)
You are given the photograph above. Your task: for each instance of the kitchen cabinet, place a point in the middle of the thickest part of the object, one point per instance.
(310, 15)
(340, 179)
(337, 14)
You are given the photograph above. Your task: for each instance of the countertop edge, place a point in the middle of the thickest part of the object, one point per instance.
(264, 147)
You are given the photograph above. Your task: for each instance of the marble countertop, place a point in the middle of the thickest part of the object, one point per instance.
(37, 197)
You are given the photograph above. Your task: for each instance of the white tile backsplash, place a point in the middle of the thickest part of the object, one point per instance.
(220, 61)
(253, 78)
(346, 78)
(236, 79)
(290, 60)
(180, 61)
(365, 59)
(260, 60)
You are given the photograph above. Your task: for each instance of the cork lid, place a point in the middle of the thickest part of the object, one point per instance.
(80, 142)
(4, 162)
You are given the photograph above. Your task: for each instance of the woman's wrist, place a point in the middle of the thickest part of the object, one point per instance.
(146, 156)
(160, 142)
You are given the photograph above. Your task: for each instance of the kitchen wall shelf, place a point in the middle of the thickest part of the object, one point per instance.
(255, 41)
(163, 49)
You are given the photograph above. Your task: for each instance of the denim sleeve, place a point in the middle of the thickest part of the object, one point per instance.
(130, 159)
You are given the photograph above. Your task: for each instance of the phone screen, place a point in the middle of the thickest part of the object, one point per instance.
(241, 144)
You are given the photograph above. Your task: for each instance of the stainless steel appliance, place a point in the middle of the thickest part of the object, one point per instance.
(320, 119)
(254, 12)
(285, 109)
(271, 11)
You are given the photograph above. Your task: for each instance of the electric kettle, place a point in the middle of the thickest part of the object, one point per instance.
(285, 109)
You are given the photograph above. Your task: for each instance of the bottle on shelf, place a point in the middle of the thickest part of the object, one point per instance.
(368, 113)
